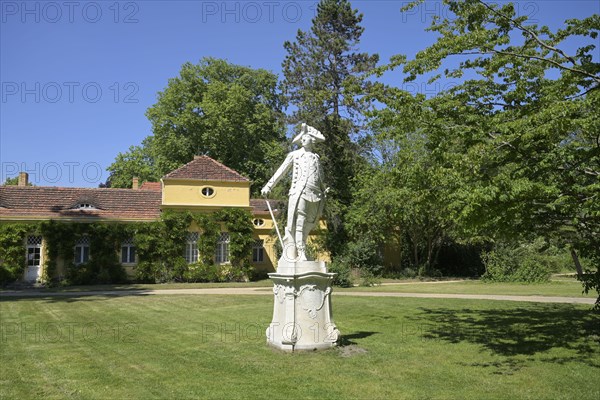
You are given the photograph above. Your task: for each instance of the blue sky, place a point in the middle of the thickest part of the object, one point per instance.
(77, 76)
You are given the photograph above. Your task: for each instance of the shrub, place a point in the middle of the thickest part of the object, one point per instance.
(368, 279)
(521, 263)
(344, 273)
(12, 260)
(408, 273)
(200, 272)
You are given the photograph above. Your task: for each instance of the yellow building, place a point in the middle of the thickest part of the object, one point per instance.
(201, 186)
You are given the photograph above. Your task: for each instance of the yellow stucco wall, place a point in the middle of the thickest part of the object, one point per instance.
(179, 192)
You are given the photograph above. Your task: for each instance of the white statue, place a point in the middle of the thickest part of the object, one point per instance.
(307, 192)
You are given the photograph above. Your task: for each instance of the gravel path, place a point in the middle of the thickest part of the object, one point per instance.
(267, 291)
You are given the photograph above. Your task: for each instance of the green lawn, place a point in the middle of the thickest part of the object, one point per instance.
(564, 288)
(183, 346)
(158, 286)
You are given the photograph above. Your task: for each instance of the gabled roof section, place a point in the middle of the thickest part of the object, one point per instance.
(205, 168)
(151, 186)
(259, 206)
(63, 203)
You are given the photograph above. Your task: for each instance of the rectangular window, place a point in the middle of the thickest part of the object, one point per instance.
(191, 248)
(258, 251)
(222, 251)
(34, 251)
(82, 250)
(128, 252)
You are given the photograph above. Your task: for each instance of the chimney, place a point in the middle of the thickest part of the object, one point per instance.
(23, 178)
(136, 182)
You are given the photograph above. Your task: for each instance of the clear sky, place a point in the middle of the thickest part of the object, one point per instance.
(77, 76)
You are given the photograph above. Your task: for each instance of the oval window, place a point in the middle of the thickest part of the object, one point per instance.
(207, 191)
(258, 222)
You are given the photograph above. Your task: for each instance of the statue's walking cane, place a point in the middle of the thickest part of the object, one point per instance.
(275, 222)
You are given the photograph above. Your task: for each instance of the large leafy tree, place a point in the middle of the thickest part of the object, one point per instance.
(136, 162)
(401, 201)
(521, 125)
(322, 74)
(229, 112)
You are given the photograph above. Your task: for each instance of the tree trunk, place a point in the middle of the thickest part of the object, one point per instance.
(577, 263)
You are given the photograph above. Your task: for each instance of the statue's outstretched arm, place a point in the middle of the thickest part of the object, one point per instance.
(281, 171)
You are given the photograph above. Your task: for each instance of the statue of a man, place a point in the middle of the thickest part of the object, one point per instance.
(307, 192)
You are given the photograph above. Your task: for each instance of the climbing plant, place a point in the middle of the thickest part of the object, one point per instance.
(238, 223)
(103, 265)
(160, 247)
(12, 252)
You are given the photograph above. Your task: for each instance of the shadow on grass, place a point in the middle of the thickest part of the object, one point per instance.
(347, 340)
(521, 331)
(71, 297)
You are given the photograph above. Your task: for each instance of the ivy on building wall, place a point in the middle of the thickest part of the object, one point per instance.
(160, 247)
(12, 249)
(237, 223)
(103, 265)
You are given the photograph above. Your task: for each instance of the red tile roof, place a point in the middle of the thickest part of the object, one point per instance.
(151, 186)
(38, 202)
(259, 206)
(205, 168)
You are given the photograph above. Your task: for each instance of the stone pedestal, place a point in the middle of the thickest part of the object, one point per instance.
(302, 318)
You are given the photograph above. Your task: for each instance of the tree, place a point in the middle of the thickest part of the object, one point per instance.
(228, 112)
(14, 181)
(11, 181)
(137, 162)
(402, 199)
(322, 75)
(523, 128)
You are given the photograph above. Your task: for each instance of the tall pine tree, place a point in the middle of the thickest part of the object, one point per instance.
(324, 77)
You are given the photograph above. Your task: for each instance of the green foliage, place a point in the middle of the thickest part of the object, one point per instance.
(591, 281)
(14, 181)
(363, 255)
(12, 249)
(519, 263)
(369, 279)
(228, 112)
(207, 241)
(149, 244)
(105, 242)
(402, 198)
(160, 247)
(324, 78)
(343, 277)
(518, 129)
(202, 272)
(136, 162)
(238, 223)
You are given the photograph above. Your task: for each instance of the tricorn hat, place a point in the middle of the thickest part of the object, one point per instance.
(307, 129)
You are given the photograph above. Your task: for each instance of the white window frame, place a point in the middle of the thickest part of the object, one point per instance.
(191, 248)
(85, 206)
(210, 192)
(34, 243)
(222, 250)
(128, 250)
(82, 244)
(258, 251)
